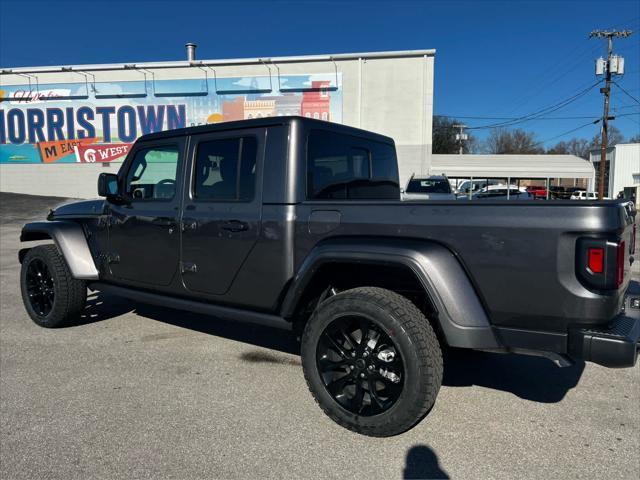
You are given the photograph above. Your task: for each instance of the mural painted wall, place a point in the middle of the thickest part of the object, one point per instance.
(93, 122)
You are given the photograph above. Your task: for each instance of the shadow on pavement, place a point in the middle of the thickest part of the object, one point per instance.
(532, 378)
(104, 306)
(422, 462)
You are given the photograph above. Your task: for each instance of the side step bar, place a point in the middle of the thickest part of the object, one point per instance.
(225, 313)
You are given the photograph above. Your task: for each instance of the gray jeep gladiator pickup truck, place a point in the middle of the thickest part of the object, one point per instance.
(297, 223)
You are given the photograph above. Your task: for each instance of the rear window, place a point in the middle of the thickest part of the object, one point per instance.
(428, 185)
(347, 167)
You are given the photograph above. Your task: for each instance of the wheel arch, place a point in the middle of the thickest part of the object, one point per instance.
(432, 276)
(71, 242)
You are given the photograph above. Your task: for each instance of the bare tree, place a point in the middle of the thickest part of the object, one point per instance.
(502, 141)
(614, 135)
(635, 138)
(576, 146)
(444, 136)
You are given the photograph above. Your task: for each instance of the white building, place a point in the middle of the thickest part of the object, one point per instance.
(622, 170)
(49, 114)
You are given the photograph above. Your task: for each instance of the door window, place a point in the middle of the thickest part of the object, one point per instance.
(152, 174)
(226, 169)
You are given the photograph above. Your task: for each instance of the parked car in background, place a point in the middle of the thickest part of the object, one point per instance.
(557, 192)
(568, 191)
(537, 191)
(434, 187)
(582, 195)
(499, 192)
(475, 185)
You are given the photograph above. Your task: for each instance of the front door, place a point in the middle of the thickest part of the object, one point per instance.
(222, 208)
(144, 238)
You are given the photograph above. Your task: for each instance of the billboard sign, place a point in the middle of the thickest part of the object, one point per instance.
(89, 122)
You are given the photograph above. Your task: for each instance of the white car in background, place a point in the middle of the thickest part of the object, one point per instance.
(583, 195)
(434, 187)
(499, 192)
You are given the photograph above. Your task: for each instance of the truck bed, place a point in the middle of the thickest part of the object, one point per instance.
(520, 255)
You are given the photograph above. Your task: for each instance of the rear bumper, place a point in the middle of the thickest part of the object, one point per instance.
(614, 345)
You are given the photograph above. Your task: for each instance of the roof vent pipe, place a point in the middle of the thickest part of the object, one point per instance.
(191, 52)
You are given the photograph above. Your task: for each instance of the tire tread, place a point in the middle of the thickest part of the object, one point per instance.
(70, 293)
(419, 329)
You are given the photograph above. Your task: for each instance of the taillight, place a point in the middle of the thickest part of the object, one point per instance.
(596, 260)
(600, 263)
(620, 251)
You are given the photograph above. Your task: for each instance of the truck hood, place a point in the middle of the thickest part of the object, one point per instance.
(84, 208)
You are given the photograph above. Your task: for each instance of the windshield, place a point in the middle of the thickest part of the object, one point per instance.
(428, 185)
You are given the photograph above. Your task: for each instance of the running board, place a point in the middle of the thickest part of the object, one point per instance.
(224, 313)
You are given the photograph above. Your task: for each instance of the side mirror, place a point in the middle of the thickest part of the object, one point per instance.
(108, 185)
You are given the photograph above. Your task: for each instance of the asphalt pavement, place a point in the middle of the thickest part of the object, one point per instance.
(140, 392)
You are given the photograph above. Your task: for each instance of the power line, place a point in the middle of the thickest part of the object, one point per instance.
(471, 117)
(569, 131)
(626, 93)
(549, 79)
(539, 113)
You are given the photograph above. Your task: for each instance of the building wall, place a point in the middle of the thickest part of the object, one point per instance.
(68, 180)
(392, 96)
(626, 164)
(622, 167)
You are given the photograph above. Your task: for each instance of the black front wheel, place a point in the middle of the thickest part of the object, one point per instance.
(51, 296)
(372, 361)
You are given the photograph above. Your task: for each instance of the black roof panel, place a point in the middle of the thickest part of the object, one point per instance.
(263, 122)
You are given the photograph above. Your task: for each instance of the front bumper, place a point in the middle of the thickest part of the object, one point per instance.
(615, 345)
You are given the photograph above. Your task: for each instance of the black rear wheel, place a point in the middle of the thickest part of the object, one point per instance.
(359, 365)
(372, 361)
(51, 296)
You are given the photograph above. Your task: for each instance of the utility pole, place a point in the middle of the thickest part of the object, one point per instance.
(461, 137)
(611, 67)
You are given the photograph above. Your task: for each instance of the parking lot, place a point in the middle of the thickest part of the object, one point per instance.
(141, 392)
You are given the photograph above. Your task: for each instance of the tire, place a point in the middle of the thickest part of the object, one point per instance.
(65, 295)
(416, 361)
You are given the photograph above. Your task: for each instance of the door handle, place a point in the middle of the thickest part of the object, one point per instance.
(235, 226)
(164, 221)
(189, 224)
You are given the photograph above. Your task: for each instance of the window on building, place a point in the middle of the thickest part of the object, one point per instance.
(324, 115)
(344, 167)
(316, 115)
(324, 92)
(308, 115)
(225, 169)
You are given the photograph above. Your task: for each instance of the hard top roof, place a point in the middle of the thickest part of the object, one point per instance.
(308, 123)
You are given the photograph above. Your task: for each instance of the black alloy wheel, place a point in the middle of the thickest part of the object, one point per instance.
(40, 287)
(360, 366)
(372, 361)
(51, 296)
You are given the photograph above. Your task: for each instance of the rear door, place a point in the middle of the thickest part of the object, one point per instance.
(222, 210)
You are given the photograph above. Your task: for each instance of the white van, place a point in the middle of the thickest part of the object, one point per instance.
(582, 195)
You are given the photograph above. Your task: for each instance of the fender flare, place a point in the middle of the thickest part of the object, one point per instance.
(71, 242)
(460, 313)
